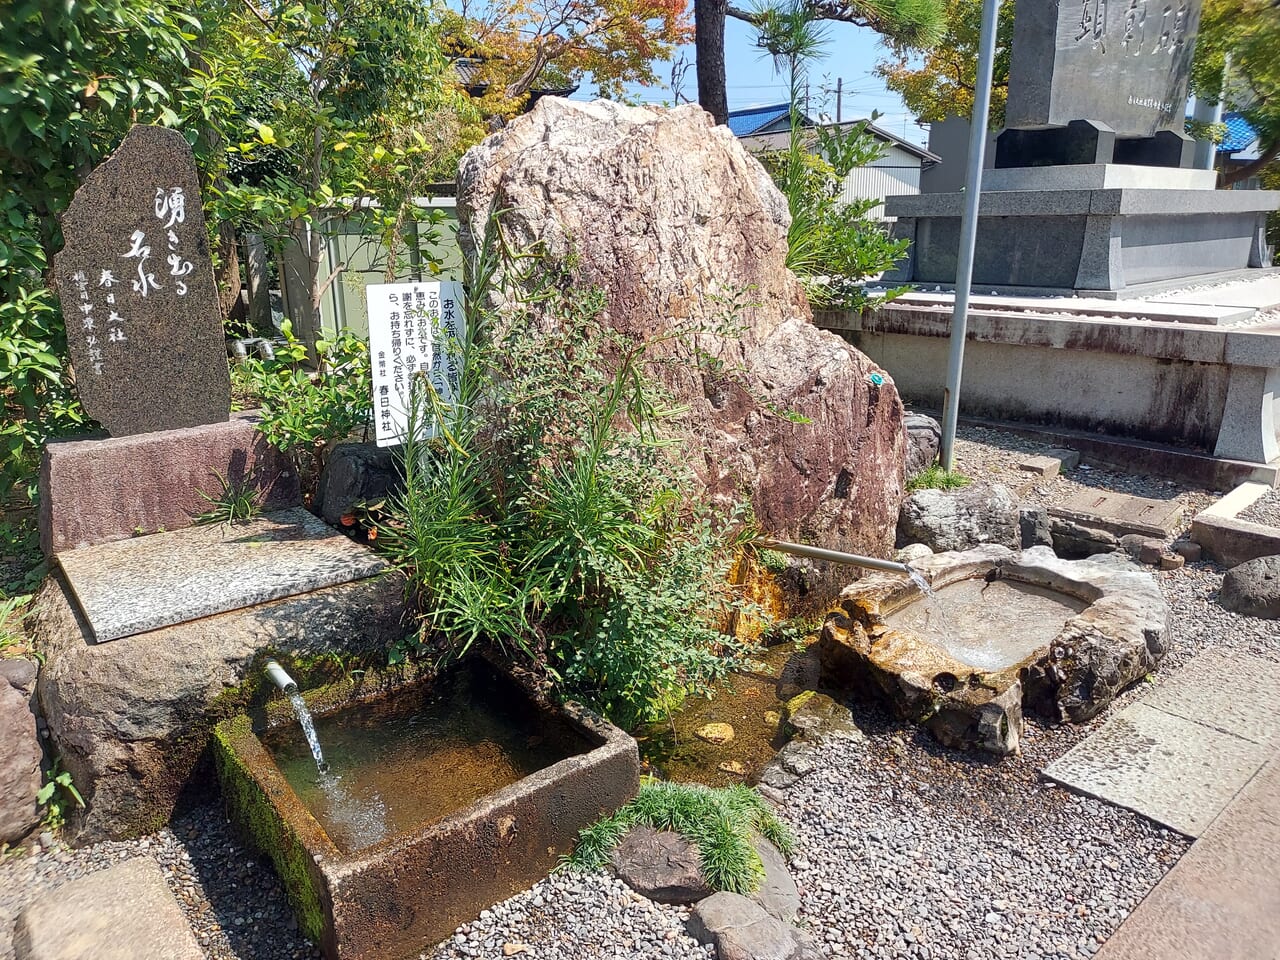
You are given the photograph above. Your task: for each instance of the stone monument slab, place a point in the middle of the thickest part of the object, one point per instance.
(135, 277)
(127, 587)
(1124, 63)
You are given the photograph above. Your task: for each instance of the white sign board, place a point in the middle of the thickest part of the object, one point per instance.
(415, 329)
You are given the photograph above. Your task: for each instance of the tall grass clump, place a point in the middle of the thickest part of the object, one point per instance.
(547, 509)
(721, 822)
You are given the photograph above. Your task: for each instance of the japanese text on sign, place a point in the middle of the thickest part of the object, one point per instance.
(415, 331)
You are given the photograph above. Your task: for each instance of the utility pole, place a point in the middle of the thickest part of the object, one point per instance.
(968, 230)
(839, 97)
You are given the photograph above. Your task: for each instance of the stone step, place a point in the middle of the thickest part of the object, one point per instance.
(127, 587)
(1183, 752)
(1221, 901)
(125, 912)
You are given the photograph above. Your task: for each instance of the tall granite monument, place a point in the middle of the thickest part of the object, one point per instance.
(136, 282)
(1093, 190)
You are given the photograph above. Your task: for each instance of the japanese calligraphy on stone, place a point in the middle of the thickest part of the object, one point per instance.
(1122, 62)
(416, 334)
(143, 321)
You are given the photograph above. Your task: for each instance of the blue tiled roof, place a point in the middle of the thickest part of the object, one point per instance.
(743, 123)
(1240, 135)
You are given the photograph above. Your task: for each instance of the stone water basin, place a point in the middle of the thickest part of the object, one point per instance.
(1003, 632)
(443, 796)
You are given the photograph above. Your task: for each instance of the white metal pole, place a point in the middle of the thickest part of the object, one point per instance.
(969, 229)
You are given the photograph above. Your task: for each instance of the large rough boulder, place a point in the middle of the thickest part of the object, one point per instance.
(1253, 588)
(19, 756)
(959, 519)
(742, 929)
(668, 215)
(131, 718)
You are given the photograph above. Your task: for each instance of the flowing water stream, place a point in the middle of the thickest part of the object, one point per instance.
(932, 603)
(308, 729)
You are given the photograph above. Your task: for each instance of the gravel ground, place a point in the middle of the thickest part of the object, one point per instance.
(906, 849)
(1265, 510)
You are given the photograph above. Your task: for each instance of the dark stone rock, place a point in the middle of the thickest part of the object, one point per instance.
(661, 865)
(814, 715)
(959, 519)
(144, 326)
(741, 929)
(1253, 588)
(924, 436)
(1033, 527)
(130, 719)
(1075, 540)
(20, 756)
(806, 423)
(777, 894)
(1150, 551)
(1188, 550)
(20, 673)
(355, 473)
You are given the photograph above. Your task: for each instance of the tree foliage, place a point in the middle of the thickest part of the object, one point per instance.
(518, 45)
(1248, 32)
(918, 23)
(939, 79)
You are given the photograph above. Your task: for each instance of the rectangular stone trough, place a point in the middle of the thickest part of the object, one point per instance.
(398, 896)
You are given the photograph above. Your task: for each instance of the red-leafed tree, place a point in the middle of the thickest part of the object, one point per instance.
(517, 46)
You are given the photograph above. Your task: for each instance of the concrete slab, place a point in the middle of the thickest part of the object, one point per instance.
(1177, 772)
(1221, 901)
(1260, 294)
(1228, 539)
(1153, 310)
(1232, 692)
(125, 912)
(128, 587)
(1121, 513)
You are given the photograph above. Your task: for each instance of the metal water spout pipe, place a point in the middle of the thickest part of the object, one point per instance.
(279, 677)
(835, 556)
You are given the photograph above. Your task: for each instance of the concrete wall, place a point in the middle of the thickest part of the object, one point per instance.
(1167, 401)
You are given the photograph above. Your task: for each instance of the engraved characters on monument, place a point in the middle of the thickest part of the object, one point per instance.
(144, 328)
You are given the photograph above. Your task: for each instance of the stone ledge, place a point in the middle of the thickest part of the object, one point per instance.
(1231, 541)
(93, 491)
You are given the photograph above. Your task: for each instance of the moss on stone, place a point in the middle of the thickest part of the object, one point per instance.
(256, 818)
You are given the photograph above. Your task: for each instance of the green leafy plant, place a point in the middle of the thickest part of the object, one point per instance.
(552, 514)
(723, 823)
(936, 478)
(57, 796)
(832, 245)
(234, 503)
(11, 609)
(304, 411)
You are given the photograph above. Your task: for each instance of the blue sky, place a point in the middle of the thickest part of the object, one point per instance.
(850, 54)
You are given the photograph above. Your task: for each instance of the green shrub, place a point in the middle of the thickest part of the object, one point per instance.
(305, 411)
(554, 516)
(721, 822)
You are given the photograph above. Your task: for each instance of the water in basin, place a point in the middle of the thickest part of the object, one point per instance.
(420, 754)
(989, 626)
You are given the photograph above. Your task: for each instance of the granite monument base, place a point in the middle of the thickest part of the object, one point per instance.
(1108, 242)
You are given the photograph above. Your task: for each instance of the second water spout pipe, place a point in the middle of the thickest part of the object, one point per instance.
(835, 556)
(279, 677)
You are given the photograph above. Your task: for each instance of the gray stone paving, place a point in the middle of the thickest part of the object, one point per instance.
(132, 586)
(1184, 751)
